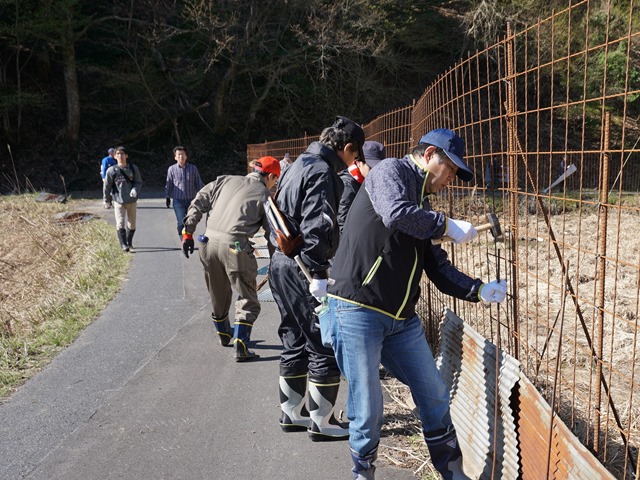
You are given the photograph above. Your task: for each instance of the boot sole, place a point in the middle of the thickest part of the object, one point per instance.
(247, 359)
(320, 437)
(293, 428)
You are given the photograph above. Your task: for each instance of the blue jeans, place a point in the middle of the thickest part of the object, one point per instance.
(180, 208)
(362, 340)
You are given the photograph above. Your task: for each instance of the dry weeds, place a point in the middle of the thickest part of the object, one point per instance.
(56, 275)
(402, 443)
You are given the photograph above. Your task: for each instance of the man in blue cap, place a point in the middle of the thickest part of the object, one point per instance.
(371, 320)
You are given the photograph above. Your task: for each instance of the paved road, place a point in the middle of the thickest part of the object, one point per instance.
(146, 392)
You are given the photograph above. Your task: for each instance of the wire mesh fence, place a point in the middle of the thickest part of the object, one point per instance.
(551, 120)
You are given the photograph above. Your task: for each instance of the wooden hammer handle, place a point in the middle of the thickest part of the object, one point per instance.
(480, 228)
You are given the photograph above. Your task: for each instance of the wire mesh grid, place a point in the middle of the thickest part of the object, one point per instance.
(551, 120)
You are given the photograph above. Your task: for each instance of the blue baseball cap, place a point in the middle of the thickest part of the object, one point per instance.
(453, 147)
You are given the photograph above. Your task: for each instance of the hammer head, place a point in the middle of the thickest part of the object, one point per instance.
(492, 219)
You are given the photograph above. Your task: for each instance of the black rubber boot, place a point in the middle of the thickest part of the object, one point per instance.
(323, 392)
(223, 328)
(241, 335)
(122, 237)
(445, 453)
(130, 234)
(363, 467)
(295, 416)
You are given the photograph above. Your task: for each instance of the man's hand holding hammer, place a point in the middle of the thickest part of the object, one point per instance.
(460, 231)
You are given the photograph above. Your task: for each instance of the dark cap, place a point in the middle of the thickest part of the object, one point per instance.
(354, 130)
(267, 165)
(374, 153)
(453, 147)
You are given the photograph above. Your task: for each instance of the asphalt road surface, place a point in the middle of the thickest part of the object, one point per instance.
(147, 392)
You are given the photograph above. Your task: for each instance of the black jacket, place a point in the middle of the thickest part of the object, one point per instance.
(308, 195)
(351, 187)
(380, 267)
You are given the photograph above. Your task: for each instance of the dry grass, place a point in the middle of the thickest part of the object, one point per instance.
(402, 443)
(542, 311)
(614, 273)
(55, 278)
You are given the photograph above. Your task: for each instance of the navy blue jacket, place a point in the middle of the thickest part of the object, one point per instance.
(386, 245)
(308, 195)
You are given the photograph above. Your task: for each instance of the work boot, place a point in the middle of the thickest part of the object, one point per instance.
(241, 335)
(363, 467)
(223, 328)
(323, 392)
(295, 416)
(445, 453)
(122, 237)
(130, 234)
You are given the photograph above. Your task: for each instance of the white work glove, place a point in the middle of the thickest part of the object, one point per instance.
(460, 231)
(134, 193)
(318, 288)
(493, 292)
(107, 205)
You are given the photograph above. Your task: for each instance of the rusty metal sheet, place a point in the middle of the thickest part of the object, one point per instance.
(568, 458)
(467, 363)
(520, 435)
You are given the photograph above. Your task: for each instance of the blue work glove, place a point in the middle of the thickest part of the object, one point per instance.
(493, 292)
(318, 288)
(187, 244)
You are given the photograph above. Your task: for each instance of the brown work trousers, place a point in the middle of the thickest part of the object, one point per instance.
(227, 267)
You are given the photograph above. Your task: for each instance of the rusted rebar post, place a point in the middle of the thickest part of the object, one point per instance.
(512, 158)
(556, 374)
(601, 266)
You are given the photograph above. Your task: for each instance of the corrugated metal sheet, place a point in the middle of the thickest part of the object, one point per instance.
(567, 457)
(519, 438)
(467, 363)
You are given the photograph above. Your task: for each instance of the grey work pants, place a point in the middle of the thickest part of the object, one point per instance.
(226, 268)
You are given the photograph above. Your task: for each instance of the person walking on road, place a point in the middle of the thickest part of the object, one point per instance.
(352, 178)
(371, 319)
(121, 186)
(107, 162)
(308, 197)
(235, 204)
(182, 184)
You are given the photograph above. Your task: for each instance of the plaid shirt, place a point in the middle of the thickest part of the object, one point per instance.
(182, 183)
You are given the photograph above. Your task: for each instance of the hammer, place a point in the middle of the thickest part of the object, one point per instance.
(493, 225)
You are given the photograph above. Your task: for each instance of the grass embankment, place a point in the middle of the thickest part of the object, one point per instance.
(55, 278)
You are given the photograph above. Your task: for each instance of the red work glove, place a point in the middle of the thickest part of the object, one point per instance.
(187, 244)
